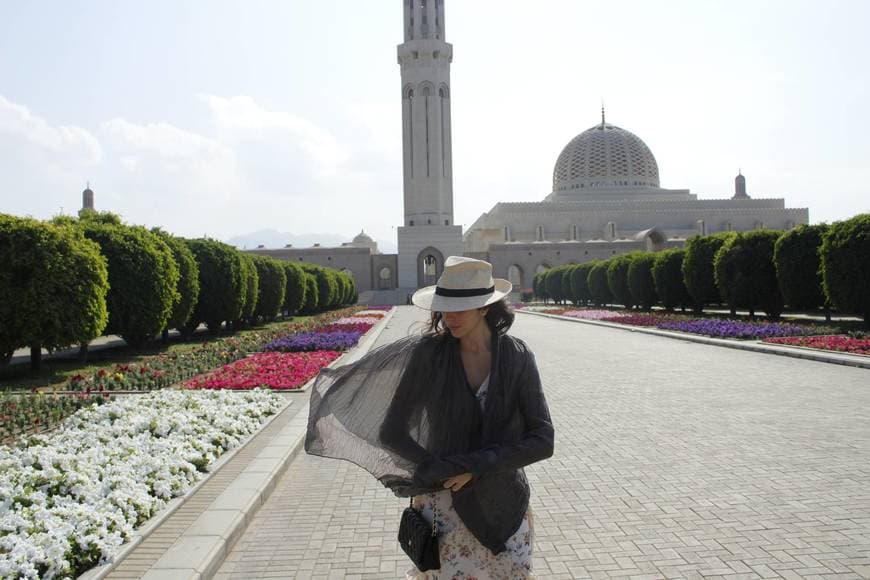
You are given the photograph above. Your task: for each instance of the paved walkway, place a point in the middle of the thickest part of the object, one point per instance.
(672, 459)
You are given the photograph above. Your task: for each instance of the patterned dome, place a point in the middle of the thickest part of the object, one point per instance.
(363, 238)
(605, 156)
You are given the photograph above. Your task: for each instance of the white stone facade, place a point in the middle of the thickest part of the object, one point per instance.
(606, 198)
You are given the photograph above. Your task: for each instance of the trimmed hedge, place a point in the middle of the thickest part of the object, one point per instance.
(251, 292)
(143, 280)
(845, 261)
(698, 275)
(312, 297)
(599, 289)
(667, 272)
(222, 284)
(539, 286)
(53, 286)
(617, 279)
(798, 266)
(188, 280)
(553, 284)
(580, 283)
(745, 274)
(640, 280)
(566, 282)
(272, 286)
(294, 295)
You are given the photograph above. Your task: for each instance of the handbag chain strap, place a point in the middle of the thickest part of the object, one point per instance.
(434, 514)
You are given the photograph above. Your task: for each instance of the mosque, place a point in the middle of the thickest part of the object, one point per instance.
(606, 196)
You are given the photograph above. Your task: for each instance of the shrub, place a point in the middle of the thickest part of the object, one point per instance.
(845, 259)
(294, 296)
(566, 282)
(221, 284)
(698, 275)
(579, 275)
(640, 280)
(617, 279)
(539, 286)
(798, 266)
(251, 291)
(188, 279)
(553, 284)
(312, 297)
(667, 274)
(599, 289)
(143, 280)
(526, 296)
(53, 286)
(745, 274)
(272, 286)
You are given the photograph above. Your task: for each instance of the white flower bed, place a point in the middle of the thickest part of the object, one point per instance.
(71, 498)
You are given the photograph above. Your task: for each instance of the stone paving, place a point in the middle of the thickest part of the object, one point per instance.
(673, 459)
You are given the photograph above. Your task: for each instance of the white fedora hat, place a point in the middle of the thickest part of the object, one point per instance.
(465, 284)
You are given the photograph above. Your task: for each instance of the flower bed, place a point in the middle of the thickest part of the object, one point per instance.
(609, 315)
(359, 320)
(164, 369)
(370, 313)
(838, 343)
(361, 327)
(736, 328)
(311, 341)
(272, 370)
(26, 413)
(70, 499)
(644, 319)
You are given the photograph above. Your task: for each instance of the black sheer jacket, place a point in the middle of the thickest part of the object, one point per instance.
(406, 413)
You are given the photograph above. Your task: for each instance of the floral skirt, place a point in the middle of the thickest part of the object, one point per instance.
(463, 556)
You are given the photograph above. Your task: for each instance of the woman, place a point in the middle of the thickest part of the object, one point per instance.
(449, 418)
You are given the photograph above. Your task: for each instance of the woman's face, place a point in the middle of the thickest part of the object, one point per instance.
(463, 322)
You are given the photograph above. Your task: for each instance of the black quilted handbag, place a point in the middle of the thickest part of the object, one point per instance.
(419, 540)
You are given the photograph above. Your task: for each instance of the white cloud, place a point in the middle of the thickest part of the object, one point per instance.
(243, 117)
(59, 151)
(165, 158)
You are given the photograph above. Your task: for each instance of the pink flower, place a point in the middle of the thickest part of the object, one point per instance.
(273, 370)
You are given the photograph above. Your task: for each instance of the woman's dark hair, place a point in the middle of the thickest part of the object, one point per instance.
(499, 318)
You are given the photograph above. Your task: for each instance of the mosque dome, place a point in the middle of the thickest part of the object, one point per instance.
(362, 238)
(605, 156)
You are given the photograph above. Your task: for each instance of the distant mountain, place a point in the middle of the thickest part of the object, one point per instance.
(273, 239)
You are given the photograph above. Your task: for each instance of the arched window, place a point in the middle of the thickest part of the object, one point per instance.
(541, 268)
(515, 276)
(430, 270)
(385, 278)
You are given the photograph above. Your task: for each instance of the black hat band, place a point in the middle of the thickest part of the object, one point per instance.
(451, 293)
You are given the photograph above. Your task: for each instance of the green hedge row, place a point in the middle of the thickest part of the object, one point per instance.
(805, 268)
(68, 281)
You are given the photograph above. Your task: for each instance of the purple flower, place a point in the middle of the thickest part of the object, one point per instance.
(310, 341)
(734, 328)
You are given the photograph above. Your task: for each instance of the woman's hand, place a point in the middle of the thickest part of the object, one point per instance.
(457, 482)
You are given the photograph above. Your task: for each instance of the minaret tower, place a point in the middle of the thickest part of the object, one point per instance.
(88, 198)
(428, 234)
(740, 187)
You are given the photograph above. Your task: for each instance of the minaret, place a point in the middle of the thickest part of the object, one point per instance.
(88, 198)
(428, 225)
(740, 187)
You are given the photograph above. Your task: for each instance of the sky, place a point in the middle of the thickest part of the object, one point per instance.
(221, 118)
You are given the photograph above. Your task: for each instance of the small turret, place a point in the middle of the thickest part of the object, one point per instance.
(88, 198)
(740, 187)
